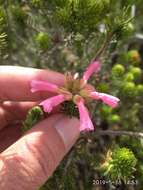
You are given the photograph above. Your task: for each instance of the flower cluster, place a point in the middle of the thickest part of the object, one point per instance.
(76, 90)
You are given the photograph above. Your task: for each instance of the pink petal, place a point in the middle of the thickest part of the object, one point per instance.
(50, 103)
(107, 99)
(93, 67)
(37, 85)
(85, 121)
(95, 95)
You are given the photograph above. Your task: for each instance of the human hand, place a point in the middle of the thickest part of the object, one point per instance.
(27, 161)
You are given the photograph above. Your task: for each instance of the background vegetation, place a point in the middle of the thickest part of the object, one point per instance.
(65, 35)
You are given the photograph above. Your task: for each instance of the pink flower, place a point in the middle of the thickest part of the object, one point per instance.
(93, 67)
(50, 103)
(107, 99)
(76, 90)
(85, 121)
(37, 85)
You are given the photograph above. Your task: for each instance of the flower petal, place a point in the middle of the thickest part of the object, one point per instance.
(93, 67)
(85, 121)
(95, 95)
(38, 85)
(50, 103)
(109, 100)
(106, 98)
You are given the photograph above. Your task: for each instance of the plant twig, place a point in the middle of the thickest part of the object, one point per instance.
(104, 46)
(119, 133)
(70, 158)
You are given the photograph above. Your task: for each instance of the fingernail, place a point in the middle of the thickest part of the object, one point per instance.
(68, 129)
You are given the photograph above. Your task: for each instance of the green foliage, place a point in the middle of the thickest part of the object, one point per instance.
(70, 109)
(105, 111)
(42, 40)
(3, 41)
(65, 35)
(34, 116)
(120, 165)
(81, 16)
(3, 35)
(19, 14)
(103, 87)
(37, 3)
(119, 22)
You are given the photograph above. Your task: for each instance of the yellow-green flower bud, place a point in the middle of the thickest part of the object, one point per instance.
(136, 71)
(129, 89)
(114, 118)
(128, 29)
(139, 89)
(118, 70)
(133, 57)
(129, 77)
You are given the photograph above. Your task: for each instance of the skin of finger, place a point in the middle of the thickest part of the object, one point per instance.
(15, 83)
(3, 121)
(33, 158)
(23, 156)
(13, 111)
(12, 115)
(9, 135)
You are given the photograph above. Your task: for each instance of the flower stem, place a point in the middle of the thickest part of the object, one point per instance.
(104, 46)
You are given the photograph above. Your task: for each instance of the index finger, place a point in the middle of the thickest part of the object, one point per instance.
(15, 83)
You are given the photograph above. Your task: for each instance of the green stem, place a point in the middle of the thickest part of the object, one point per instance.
(104, 46)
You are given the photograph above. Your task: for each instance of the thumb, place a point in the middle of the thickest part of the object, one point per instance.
(32, 159)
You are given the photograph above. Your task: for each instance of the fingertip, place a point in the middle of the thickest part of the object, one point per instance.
(68, 129)
(50, 76)
(40, 151)
(14, 77)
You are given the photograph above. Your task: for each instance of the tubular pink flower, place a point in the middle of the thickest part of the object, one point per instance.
(76, 90)
(50, 103)
(95, 95)
(93, 67)
(85, 121)
(107, 99)
(37, 85)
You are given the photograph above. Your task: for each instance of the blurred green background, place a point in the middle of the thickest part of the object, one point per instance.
(65, 35)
